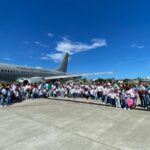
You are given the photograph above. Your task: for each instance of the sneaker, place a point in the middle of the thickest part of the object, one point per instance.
(128, 108)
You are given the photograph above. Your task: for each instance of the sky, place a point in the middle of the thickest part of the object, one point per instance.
(99, 35)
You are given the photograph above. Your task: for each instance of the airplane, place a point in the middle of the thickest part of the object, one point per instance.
(10, 73)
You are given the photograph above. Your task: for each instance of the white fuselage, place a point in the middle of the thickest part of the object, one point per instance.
(11, 73)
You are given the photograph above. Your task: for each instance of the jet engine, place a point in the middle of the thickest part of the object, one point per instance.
(31, 80)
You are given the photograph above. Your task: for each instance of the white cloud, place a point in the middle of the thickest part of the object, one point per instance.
(76, 47)
(39, 67)
(41, 44)
(55, 57)
(45, 58)
(137, 46)
(67, 46)
(50, 34)
(7, 58)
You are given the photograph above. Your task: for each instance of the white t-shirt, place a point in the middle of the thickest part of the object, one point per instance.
(100, 88)
(4, 92)
(131, 92)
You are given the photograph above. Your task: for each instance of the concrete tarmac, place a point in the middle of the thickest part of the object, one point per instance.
(44, 124)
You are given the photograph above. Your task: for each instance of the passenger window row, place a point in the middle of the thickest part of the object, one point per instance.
(15, 71)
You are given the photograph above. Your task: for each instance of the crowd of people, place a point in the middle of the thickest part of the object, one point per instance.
(115, 94)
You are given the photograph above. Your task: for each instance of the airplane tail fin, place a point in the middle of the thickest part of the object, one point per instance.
(64, 64)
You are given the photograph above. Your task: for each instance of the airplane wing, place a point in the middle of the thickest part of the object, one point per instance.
(76, 75)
